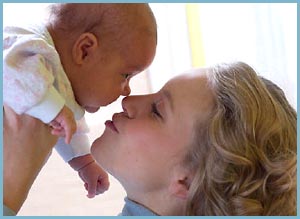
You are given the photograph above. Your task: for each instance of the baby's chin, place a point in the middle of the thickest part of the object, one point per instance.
(91, 109)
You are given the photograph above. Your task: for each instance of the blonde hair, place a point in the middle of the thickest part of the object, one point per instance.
(111, 23)
(244, 155)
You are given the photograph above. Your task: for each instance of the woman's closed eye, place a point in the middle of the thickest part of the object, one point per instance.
(155, 110)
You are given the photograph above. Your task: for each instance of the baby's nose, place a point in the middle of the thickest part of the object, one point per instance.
(126, 90)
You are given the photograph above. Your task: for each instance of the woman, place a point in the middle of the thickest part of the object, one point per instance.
(216, 141)
(27, 144)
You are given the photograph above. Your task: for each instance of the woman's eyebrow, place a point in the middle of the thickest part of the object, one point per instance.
(169, 97)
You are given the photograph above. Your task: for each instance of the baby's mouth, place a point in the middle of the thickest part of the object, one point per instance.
(91, 109)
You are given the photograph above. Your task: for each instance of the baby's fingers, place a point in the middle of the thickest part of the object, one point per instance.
(58, 132)
(91, 188)
(102, 185)
(70, 130)
(54, 124)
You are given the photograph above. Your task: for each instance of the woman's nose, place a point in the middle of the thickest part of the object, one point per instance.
(134, 106)
(128, 107)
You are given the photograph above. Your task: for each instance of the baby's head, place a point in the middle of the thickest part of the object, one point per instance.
(101, 47)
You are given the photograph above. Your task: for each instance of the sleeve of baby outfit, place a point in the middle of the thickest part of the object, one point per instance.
(28, 78)
(79, 145)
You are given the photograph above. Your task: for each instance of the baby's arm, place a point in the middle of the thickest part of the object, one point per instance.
(94, 177)
(28, 75)
(77, 154)
(64, 124)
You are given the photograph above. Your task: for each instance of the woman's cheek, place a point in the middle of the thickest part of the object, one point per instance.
(141, 134)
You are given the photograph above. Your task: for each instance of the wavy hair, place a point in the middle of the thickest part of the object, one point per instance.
(244, 154)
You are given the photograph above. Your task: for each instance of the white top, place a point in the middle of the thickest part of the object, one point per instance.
(35, 83)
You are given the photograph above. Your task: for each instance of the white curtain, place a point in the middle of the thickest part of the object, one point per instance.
(173, 52)
(262, 35)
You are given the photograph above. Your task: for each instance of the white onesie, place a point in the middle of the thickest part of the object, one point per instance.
(35, 83)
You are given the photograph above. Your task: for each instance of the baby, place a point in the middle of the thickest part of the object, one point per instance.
(82, 58)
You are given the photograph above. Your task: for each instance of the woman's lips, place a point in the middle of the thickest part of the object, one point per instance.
(110, 124)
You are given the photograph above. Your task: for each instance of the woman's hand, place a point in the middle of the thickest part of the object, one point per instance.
(27, 144)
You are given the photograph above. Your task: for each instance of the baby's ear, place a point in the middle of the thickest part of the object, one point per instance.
(84, 46)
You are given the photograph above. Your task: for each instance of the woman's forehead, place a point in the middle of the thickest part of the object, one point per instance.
(192, 74)
(190, 92)
(188, 82)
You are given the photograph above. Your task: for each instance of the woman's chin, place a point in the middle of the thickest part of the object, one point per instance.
(95, 150)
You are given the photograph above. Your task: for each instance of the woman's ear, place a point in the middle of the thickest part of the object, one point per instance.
(180, 185)
(84, 46)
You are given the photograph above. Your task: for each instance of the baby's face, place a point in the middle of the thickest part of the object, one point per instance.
(102, 80)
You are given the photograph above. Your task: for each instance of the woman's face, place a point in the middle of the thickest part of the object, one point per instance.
(144, 145)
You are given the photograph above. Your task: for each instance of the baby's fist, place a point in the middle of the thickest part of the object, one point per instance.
(64, 124)
(95, 179)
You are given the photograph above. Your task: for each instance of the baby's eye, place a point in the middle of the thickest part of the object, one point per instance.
(126, 76)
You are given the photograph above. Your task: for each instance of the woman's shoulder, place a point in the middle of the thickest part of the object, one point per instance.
(132, 208)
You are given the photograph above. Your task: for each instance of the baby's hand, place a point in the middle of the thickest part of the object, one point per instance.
(95, 179)
(64, 124)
